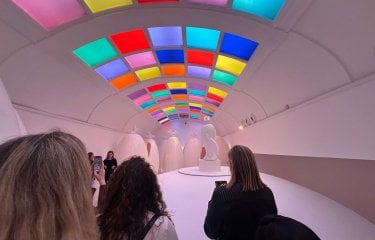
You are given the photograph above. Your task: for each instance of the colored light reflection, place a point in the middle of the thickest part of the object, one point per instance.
(101, 5)
(166, 36)
(96, 52)
(51, 13)
(265, 9)
(112, 69)
(203, 38)
(238, 46)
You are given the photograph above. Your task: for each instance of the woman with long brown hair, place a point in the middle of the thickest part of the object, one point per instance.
(45, 189)
(235, 209)
(132, 200)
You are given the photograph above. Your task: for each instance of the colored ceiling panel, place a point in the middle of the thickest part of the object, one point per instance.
(178, 104)
(225, 78)
(178, 91)
(238, 46)
(143, 59)
(159, 94)
(173, 70)
(153, 110)
(131, 41)
(198, 86)
(96, 52)
(142, 99)
(214, 97)
(180, 97)
(230, 65)
(101, 5)
(156, 1)
(51, 13)
(197, 92)
(166, 36)
(199, 72)
(148, 73)
(196, 98)
(173, 85)
(137, 94)
(213, 102)
(200, 57)
(217, 92)
(210, 2)
(170, 56)
(157, 87)
(112, 69)
(148, 104)
(124, 81)
(203, 38)
(264, 9)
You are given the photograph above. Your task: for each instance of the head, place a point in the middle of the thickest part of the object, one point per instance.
(45, 188)
(277, 227)
(244, 169)
(90, 156)
(133, 190)
(110, 155)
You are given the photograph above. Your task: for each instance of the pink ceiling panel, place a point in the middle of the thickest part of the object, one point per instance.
(141, 59)
(51, 13)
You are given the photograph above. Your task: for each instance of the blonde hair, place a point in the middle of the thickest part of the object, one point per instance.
(45, 189)
(244, 169)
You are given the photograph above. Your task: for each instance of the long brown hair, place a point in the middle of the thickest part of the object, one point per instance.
(133, 191)
(45, 189)
(244, 169)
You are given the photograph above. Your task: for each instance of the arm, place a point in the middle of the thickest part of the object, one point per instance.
(214, 216)
(103, 188)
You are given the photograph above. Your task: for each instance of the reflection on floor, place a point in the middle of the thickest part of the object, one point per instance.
(187, 196)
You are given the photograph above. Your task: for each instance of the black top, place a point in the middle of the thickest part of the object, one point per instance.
(234, 214)
(110, 166)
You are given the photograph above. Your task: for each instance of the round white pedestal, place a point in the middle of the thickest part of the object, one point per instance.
(194, 171)
(209, 165)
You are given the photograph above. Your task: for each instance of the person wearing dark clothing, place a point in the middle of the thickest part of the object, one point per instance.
(235, 209)
(110, 163)
(277, 227)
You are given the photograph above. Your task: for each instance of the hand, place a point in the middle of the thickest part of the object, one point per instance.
(99, 176)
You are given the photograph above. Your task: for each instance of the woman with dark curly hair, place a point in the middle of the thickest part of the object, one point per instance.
(131, 205)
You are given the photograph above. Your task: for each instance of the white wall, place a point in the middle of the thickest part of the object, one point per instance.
(97, 139)
(10, 123)
(340, 124)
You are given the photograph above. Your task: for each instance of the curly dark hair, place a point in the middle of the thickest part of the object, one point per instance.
(132, 191)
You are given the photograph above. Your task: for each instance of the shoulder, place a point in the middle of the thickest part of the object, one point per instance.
(225, 194)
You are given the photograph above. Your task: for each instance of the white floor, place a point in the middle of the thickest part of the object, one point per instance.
(187, 196)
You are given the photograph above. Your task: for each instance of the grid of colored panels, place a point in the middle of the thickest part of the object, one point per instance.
(178, 100)
(126, 58)
(53, 13)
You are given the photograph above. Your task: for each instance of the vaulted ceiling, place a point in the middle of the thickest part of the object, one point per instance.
(147, 63)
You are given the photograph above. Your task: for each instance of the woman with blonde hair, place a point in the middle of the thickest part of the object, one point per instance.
(45, 189)
(236, 208)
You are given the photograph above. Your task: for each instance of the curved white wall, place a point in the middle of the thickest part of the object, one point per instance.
(339, 125)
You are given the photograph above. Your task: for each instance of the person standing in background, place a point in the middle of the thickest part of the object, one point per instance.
(110, 163)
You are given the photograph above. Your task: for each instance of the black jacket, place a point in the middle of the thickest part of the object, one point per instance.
(233, 214)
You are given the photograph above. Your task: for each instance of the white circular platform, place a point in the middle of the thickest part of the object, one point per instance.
(194, 171)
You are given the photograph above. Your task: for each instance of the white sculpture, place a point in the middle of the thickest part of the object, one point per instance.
(209, 143)
(210, 150)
